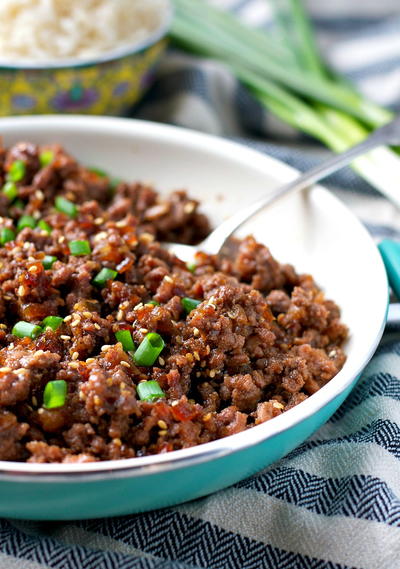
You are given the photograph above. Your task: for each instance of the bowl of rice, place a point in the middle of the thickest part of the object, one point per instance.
(86, 56)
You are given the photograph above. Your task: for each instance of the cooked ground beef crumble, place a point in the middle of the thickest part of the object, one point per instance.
(262, 339)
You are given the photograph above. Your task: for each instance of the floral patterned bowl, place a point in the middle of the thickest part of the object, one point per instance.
(108, 84)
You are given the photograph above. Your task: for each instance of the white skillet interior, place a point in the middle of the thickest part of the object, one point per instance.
(313, 231)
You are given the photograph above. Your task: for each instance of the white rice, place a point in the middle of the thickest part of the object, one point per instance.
(48, 30)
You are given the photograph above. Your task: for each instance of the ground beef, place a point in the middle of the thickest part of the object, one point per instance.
(261, 339)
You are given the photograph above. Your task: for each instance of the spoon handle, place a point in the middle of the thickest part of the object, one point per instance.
(389, 133)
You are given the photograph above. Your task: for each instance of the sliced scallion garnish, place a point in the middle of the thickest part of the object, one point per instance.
(125, 337)
(44, 226)
(78, 248)
(150, 348)
(17, 171)
(52, 322)
(46, 157)
(55, 394)
(149, 390)
(10, 191)
(103, 276)
(66, 206)
(26, 330)
(190, 304)
(48, 261)
(26, 221)
(6, 235)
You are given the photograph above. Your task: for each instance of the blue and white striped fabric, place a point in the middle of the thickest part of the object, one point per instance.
(333, 503)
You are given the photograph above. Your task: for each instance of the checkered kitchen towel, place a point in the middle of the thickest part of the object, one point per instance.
(335, 501)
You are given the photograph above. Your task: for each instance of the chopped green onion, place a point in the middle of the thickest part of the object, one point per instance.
(125, 337)
(10, 191)
(55, 394)
(52, 322)
(65, 206)
(46, 157)
(153, 302)
(191, 267)
(103, 276)
(149, 390)
(44, 226)
(26, 221)
(48, 261)
(78, 248)
(190, 304)
(19, 203)
(17, 171)
(150, 348)
(99, 172)
(6, 235)
(26, 330)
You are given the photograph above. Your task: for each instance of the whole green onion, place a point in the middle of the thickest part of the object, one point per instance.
(10, 191)
(149, 390)
(103, 276)
(46, 157)
(44, 226)
(125, 337)
(52, 322)
(78, 248)
(26, 330)
(17, 171)
(26, 221)
(66, 206)
(55, 394)
(6, 235)
(190, 304)
(48, 261)
(150, 348)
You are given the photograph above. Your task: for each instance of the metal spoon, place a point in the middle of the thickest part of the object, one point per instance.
(388, 134)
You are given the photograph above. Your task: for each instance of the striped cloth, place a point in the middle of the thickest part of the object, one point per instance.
(334, 502)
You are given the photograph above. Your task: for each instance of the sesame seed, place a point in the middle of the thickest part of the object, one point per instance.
(75, 323)
(125, 364)
(5, 369)
(196, 332)
(198, 374)
(34, 401)
(64, 337)
(189, 207)
(87, 314)
(61, 239)
(73, 365)
(7, 297)
(97, 326)
(97, 400)
(21, 290)
(26, 245)
(39, 353)
(162, 424)
(122, 385)
(99, 220)
(207, 417)
(120, 315)
(168, 279)
(101, 235)
(105, 347)
(162, 433)
(212, 372)
(174, 403)
(33, 269)
(161, 361)
(208, 349)
(143, 331)
(75, 356)
(117, 442)
(146, 237)
(121, 223)
(189, 357)
(90, 360)
(67, 318)
(3, 327)
(277, 405)
(332, 353)
(196, 356)
(138, 306)
(39, 194)
(41, 411)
